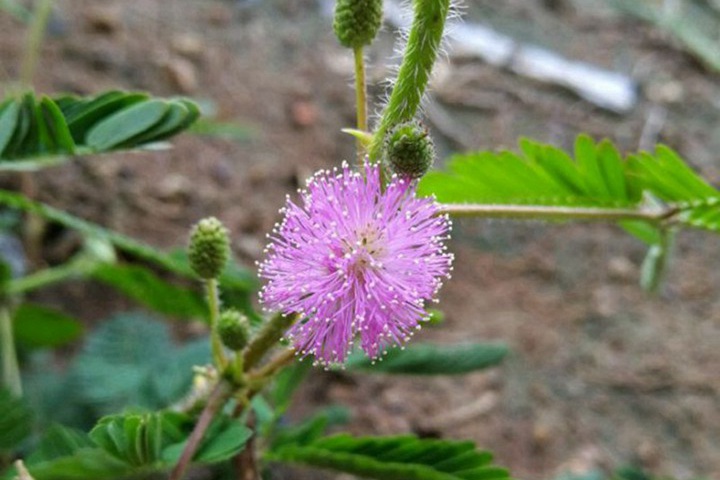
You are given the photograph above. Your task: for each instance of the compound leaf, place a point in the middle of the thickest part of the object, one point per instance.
(396, 458)
(428, 359)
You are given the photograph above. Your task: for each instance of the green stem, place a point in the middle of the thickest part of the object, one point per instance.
(10, 368)
(48, 276)
(418, 59)
(267, 338)
(277, 363)
(656, 261)
(40, 18)
(535, 212)
(211, 287)
(360, 101)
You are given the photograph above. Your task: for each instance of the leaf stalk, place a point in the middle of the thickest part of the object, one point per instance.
(537, 212)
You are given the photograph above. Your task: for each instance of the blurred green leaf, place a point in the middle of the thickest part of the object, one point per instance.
(394, 458)
(286, 382)
(8, 121)
(59, 441)
(312, 428)
(234, 277)
(83, 464)
(427, 359)
(143, 286)
(16, 421)
(130, 361)
(41, 327)
(225, 438)
(227, 130)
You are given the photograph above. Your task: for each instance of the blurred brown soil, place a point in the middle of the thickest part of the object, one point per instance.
(601, 373)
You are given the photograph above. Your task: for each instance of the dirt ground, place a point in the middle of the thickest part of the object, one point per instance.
(601, 373)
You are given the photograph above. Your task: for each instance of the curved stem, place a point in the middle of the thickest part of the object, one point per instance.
(418, 59)
(360, 101)
(211, 289)
(10, 368)
(217, 399)
(278, 362)
(556, 213)
(48, 276)
(35, 37)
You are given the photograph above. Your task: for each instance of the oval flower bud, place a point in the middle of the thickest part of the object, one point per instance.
(209, 248)
(234, 329)
(409, 150)
(357, 22)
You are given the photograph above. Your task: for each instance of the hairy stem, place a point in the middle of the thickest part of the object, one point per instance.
(213, 297)
(556, 213)
(360, 101)
(217, 399)
(10, 368)
(418, 59)
(267, 338)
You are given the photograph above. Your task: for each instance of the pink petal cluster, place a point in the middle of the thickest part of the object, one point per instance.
(355, 261)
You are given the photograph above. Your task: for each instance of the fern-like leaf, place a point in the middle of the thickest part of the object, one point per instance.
(39, 132)
(660, 187)
(395, 458)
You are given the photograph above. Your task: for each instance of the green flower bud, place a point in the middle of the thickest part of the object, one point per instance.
(234, 329)
(357, 22)
(209, 248)
(409, 150)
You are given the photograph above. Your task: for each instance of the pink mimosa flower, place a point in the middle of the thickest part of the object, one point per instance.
(355, 261)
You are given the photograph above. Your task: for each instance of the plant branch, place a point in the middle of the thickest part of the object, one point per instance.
(217, 399)
(40, 18)
(10, 368)
(271, 333)
(49, 276)
(211, 288)
(245, 461)
(278, 362)
(557, 213)
(360, 101)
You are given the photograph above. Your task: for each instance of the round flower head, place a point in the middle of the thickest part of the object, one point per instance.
(355, 261)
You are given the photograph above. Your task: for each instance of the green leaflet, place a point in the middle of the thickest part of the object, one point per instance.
(138, 439)
(37, 133)
(539, 175)
(427, 359)
(394, 458)
(8, 121)
(125, 124)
